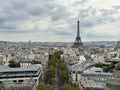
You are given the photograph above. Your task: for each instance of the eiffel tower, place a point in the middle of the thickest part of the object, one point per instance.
(78, 43)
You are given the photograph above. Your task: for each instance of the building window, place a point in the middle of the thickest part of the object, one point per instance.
(76, 77)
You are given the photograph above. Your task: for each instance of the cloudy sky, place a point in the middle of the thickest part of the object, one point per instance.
(56, 20)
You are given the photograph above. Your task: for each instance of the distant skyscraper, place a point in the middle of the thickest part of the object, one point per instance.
(29, 42)
(118, 44)
(78, 43)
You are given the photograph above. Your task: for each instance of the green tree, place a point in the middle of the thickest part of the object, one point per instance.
(58, 53)
(43, 86)
(108, 68)
(53, 59)
(61, 66)
(35, 62)
(69, 87)
(51, 62)
(51, 71)
(77, 88)
(50, 74)
(13, 64)
(63, 75)
(66, 87)
(99, 65)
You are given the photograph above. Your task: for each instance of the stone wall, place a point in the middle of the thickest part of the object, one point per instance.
(113, 84)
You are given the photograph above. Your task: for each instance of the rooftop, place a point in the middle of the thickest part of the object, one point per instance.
(9, 69)
(82, 66)
(96, 71)
(11, 84)
(92, 84)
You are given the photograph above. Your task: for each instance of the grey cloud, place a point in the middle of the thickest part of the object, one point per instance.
(19, 11)
(80, 2)
(60, 32)
(59, 13)
(41, 7)
(12, 30)
(7, 27)
(87, 24)
(16, 11)
(10, 14)
(116, 7)
(36, 11)
(20, 4)
(85, 13)
(93, 36)
(89, 17)
(106, 12)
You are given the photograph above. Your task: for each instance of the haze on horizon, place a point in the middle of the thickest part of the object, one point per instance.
(56, 20)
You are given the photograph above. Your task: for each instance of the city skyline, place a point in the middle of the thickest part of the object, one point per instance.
(55, 20)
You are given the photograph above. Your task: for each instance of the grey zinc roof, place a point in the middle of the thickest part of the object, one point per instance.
(26, 60)
(82, 66)
(97, 74)
(77, 68)
(8, 69)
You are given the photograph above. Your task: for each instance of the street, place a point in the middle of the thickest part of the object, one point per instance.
(56, 85)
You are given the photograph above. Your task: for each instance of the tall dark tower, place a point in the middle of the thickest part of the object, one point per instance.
(118, 44)
(78, 43)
